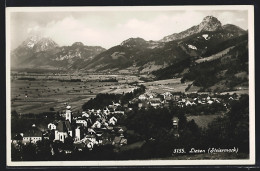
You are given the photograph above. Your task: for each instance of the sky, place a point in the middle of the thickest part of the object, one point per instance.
(110, 28)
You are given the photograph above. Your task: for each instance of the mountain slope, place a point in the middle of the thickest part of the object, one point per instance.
(174, 55)
(209, 23)
(199, 41)
(222, 71)
(41, 52)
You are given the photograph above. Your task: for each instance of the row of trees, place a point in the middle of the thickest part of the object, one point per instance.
(103, 100)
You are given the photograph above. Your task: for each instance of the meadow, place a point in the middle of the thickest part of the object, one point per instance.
(38, 93)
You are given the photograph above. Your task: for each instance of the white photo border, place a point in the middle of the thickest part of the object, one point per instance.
(250, 161)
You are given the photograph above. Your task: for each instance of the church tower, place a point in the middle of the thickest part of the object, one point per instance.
(68, 113)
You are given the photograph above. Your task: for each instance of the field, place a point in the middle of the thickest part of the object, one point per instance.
(170, 85)
(215, 56)
(203, 120)
(47, 92)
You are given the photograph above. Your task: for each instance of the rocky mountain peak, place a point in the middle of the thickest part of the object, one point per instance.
(133, 41)
(210, 23)
(31, 41)
(44, 44)
(77, 44)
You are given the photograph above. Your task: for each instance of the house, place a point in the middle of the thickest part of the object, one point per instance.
(63, 131)
(116, 104)
(18, 138)
(78, 134)
(82, 122)
(33, 135)
(79, 145)
(176, 97)
(46, 135)
(142, 97)
(91, 131)
(119, 112)
(106, 111)
(52, 126)
(90, 137)
(107, 138)
(98, 111)
(89, 144)
(190, 102)
(175, 124)
(155, 102)
(97, 124)
(85, 114)
(119, 141)
(210, 101)
(167, 96)
(112, 121)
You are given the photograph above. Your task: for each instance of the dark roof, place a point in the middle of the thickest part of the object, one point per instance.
(175, 119)
(79, 145)
(90, 136)
(64, 126)
(33, 132)
(119, 140)
(17, 137)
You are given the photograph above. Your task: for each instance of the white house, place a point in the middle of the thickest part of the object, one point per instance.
(116, 104)
(33, 135)
(106, 111)
(52, 126)
(142, 97)
(77, 134)
(85, 114)
(210, 101)
(97, 124)
(112, 121)
(82, 122)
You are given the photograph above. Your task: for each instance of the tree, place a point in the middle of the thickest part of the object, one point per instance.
(29, 152)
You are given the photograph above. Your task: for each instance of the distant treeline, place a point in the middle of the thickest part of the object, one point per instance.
(26, 78)
(102, 100)
(109, 80)
(71, 80)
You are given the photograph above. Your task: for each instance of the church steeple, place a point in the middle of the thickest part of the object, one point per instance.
(68, 113)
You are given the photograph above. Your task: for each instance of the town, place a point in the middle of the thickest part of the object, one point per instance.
(92, 128)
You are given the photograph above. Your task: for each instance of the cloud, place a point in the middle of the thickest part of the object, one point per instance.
(69, 30)
(108, 29)
(240, 19)
(33, 29)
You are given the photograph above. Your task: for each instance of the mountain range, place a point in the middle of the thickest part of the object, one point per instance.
(175, 55)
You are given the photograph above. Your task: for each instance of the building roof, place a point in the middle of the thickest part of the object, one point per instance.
(33, 132)
(64, 126)
(17, 137)
(175, 119)
(79, 145)
(90, 136)
(119, 140)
